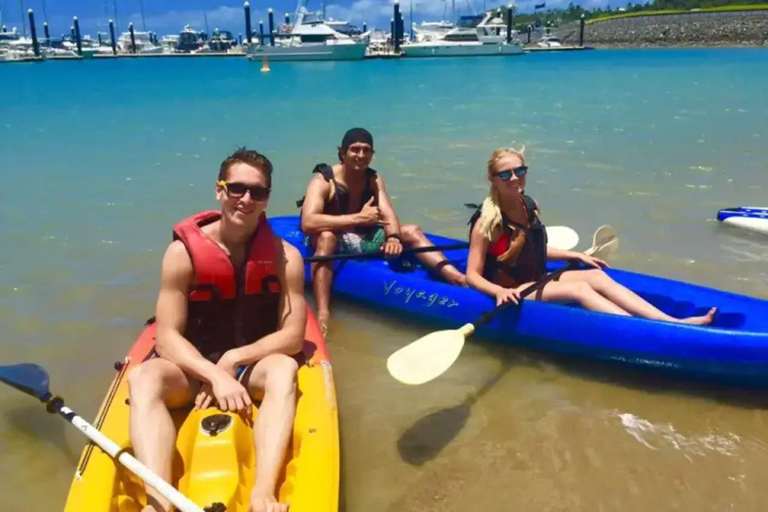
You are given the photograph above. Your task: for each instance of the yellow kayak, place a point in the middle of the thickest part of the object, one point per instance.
(215, 458)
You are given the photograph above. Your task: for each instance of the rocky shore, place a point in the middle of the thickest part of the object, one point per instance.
(748, 28)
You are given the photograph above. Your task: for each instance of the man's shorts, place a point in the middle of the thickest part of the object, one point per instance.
(356, 242)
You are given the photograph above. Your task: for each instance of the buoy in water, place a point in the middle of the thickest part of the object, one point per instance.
(264, 65)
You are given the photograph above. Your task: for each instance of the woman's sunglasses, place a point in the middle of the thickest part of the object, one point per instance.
(237, 190)
(506, 175)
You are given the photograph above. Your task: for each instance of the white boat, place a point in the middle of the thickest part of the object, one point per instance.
(752, 218)
(22, 48)
(169, 42)
(88, 48)
(190, 41)
(6, 37)
(309, 38)
(549, 40)
(473, 36)
(344, 27)
(144, 44)
(431, 30)
(222, 41)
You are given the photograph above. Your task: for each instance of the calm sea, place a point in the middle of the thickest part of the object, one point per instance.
(99, 159)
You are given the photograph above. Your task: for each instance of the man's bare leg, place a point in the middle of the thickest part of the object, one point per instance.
(154, 386)
(415, 238)
(322, 277)
(275, 377)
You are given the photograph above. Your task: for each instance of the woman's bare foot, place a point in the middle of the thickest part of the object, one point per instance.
(701, 320)
(266, 504)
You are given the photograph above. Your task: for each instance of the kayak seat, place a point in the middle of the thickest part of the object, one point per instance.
(214, 462)
(216, 457)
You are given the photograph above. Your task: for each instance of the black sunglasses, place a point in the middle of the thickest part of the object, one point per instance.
(237, 190)
(506, 175)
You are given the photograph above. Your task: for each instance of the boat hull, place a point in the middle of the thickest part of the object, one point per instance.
(461, 50)
(220, 468)
(307, 52)
(734, 350)
(752, 218)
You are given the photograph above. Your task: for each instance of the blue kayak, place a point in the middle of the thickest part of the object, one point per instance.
(734, 350)
(753, 218)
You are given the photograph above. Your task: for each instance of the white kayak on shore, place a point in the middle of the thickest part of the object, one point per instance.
(753, 218)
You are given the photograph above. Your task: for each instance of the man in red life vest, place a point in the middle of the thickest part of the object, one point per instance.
(231, 296)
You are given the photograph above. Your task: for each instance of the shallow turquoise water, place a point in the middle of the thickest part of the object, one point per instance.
(99, 159)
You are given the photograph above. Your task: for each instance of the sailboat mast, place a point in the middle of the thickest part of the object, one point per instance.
(143, 21)
(45, 13)
(205, 19)
(114, 12)
(410, 38)
(23, 18)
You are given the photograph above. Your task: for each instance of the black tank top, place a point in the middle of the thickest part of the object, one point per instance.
(339, 203)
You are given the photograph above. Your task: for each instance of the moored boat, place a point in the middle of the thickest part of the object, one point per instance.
(309, 38)
(474, 36)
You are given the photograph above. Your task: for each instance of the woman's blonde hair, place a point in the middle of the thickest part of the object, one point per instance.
(490, 212)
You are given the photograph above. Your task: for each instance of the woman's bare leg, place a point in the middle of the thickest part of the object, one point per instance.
(579, 292)
(627, 299)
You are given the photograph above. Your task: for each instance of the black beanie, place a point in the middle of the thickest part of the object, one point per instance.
(354, 135)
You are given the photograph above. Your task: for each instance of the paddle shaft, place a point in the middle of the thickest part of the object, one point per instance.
(181, 502)
(488, 315)
(381, 254)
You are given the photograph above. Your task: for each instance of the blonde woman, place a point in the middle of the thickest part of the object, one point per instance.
(508, 251)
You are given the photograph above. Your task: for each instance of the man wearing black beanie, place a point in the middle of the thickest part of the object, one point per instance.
(347, 207)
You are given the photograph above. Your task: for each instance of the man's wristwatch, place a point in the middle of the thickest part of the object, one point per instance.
(396, 236)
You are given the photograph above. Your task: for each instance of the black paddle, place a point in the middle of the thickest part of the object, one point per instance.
(382, 254)
(561, 237)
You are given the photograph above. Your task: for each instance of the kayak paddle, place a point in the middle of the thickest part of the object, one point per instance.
(33, 380)
(431, 355)
(561, 237)
(380, 254)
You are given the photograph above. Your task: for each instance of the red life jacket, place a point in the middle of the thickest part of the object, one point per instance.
(229, 307)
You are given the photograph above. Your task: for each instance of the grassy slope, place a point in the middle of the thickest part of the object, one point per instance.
(724, 8)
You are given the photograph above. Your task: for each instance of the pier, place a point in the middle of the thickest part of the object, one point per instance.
(270, 43)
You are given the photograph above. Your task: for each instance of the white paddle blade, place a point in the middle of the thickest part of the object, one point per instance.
(426, 358)
(604, 242)
(562, 237)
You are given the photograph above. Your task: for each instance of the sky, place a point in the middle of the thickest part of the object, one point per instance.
(170, 16)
